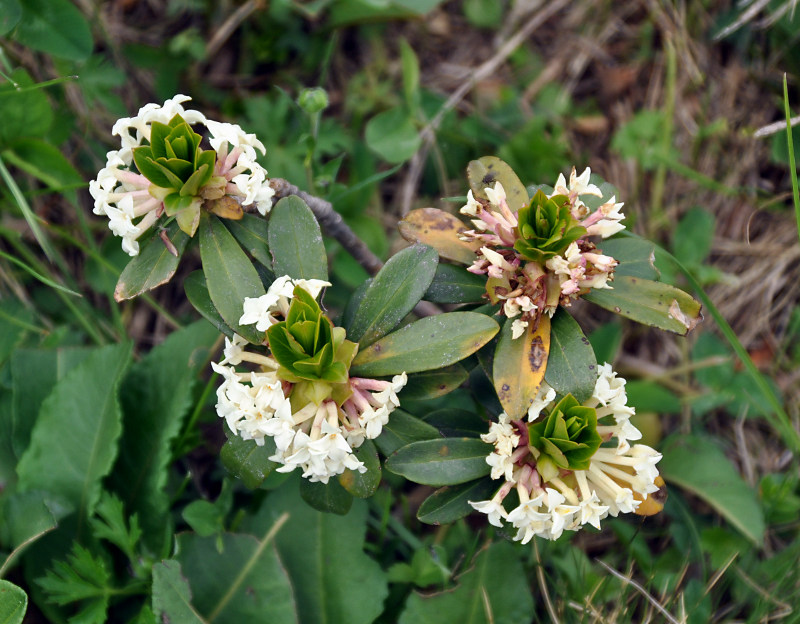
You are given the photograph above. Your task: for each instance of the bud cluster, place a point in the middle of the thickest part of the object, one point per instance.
(571, 464)
(541, 257)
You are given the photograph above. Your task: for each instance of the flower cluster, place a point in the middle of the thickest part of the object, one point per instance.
(315, 419)
(160, 168)
(541, 257)
(570, 464)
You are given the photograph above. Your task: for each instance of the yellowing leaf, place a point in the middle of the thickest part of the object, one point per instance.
(440, 230)
(519, 366)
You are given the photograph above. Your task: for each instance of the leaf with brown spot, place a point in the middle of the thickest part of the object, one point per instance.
(519, 366)
(440, 230)
(489, 170)
(650, 303)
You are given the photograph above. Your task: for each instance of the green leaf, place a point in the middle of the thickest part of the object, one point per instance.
(519, 366)
(172, 598)
(636, 257)
(435, 383)
(246, 460)
(606, 341)
(454, 284)
(25, 113)
(392, 135)
(154, 265)
(393, 293)
(648, 396)
(56, 27)
(208, 518)
(651, 303)
(43, 161)
(112, 524)
(28, 516)
(450, 503)
(693, 236)
(13, 603)
(156, 395)
(487, 171)
(82, 577)
(77, 430)
(295, 241)
(429, 343)
(10, 12)
(571, 365)
(332, 579)
(230, 276)
(403, 429)
(197, 293)
(410, 66)
(441, 462)
(479, 598)
(363, 485)
(243, 581)
(699, 465)
(458, 423)
(34, 373)
(328, 497)
(252, 233)
(440, 230)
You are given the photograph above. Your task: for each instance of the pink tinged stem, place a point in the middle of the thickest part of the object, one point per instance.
(149, 219)
(147, 206)
(352, 413)
(503, 492)
(232, 158)
(319, 418)
(519, 454)
(232, 189)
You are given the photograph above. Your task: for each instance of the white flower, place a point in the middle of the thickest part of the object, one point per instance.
(233, 350)
(496, 195)
(491, 508)
(544, 396)
(518, 328)
(529, 520)
(265, 310)
(471, 207)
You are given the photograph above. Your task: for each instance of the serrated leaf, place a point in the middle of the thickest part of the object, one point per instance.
(434, 383)
(328, 497)
(243, 581)
(519, 366)
(34, 373)
(197, 293)
(113, 525)
(450, 503)
(393, 293)
(56, 27)
(230, 276)
(332, 579)
(488, 171)
(295, 241)
(454, 284)
(392, 135)
(650, 303)
(571, 363)
(363, 485)
(699, 465)
(636, 257)
(156, 396)
(441, 462)
(13, 603)
(81, 578)
(403, 429)
(246, 460)
(440, 230)
(154, 265)
(429, 343)
(479, 598)
(252, 233)
(172, 598)
(77, 430)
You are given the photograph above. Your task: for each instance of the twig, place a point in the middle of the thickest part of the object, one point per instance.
(428, 133)
(230, 25)
(775, 127)
(641, 590)
(333, 224)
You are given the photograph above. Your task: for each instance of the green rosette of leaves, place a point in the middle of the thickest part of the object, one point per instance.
(311, 352)
(546, 227)
(567, 439)
(178, 170)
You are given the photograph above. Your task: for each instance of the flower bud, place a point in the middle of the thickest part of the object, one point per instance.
(546, 227)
